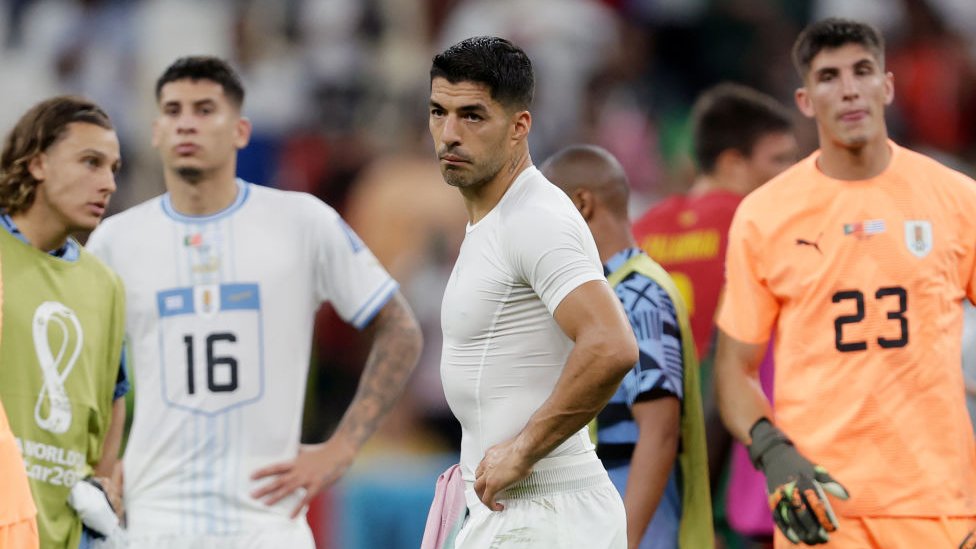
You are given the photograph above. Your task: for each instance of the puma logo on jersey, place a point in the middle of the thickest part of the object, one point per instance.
(814, 244)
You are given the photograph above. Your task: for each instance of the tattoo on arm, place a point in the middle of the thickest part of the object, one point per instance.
(397, 341)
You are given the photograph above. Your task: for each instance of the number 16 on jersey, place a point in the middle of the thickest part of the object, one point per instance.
(210, 345)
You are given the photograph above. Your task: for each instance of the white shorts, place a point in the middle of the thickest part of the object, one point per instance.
(571, 506)
(298, 536)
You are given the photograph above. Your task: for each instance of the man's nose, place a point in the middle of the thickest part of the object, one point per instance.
(186, 123)
(108, 183)
(849, 86)
(450, 134)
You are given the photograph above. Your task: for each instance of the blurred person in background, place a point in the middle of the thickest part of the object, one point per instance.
(224, 278)
(651, 435)
(535, 342)
(62, 379)
(741, 138)
(859, 257)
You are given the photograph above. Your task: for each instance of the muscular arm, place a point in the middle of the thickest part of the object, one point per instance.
(740, 396)
(604, 350)
(659, 426)
(395, 349)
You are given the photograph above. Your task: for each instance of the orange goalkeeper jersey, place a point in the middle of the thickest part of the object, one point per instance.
(863, 283)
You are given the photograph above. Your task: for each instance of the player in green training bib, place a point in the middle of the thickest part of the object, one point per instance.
(60, 376)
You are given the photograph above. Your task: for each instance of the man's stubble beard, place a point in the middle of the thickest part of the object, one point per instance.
(190, 175)
(456, 178)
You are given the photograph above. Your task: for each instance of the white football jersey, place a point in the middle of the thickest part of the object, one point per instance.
(220, 311)
(503, 351)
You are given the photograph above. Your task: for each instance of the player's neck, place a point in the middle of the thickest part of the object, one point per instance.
(41, 229)
(612, 237)
(204, 197)
(480, 201)
(854, 164)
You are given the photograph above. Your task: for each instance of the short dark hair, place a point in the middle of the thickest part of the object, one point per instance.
(495, 62)
(204, 67)
(834, 33)
(45, 124)
(733, 116)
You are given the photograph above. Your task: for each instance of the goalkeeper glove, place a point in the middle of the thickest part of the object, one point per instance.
(797, 489)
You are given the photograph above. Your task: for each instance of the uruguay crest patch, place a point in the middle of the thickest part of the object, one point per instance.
(918, 237)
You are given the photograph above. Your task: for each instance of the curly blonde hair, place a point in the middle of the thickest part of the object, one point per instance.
(36, 131)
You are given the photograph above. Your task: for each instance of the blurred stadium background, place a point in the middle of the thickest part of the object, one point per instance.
(337, 91)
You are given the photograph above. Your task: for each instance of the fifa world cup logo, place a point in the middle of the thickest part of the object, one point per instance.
(57, 341)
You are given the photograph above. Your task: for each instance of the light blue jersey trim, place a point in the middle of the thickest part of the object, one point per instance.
(373, 305)
(71, 251)
(243, 191)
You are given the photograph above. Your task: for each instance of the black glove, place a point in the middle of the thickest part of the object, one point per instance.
(797, 489)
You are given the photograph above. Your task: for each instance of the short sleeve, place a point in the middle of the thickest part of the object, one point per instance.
(749, 308)
(553, 252)
(659, 371)
(122, 385)
(348, 275)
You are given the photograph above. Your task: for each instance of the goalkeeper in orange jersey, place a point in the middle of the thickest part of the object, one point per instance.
(858, 258)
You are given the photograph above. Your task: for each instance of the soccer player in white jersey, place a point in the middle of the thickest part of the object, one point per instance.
(223, 280)
(535, 341)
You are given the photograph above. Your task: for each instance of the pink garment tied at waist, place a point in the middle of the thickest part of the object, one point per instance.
(446, 511)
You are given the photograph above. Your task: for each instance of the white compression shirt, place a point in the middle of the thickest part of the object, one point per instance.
(503, 351)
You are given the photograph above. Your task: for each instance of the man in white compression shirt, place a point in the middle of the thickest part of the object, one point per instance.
(535, 342)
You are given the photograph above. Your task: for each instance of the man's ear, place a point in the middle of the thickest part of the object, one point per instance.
(243, 133)
(889, 87)
(38, 167)
(803, 102)
(523, 123)
(584, 201)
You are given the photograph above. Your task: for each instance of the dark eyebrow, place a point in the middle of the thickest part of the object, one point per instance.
(825, 70)
(198, 103)
(476, 108)
(867, 61)
(116, 166)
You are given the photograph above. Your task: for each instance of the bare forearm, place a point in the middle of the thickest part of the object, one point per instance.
(650, 468)
(396, 347)
(659, 428)
(591, 376)
(113, 440)
(741, 399)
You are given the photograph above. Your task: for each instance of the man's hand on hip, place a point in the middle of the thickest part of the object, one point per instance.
(797, 488)
(502, 466)
(316, 467)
